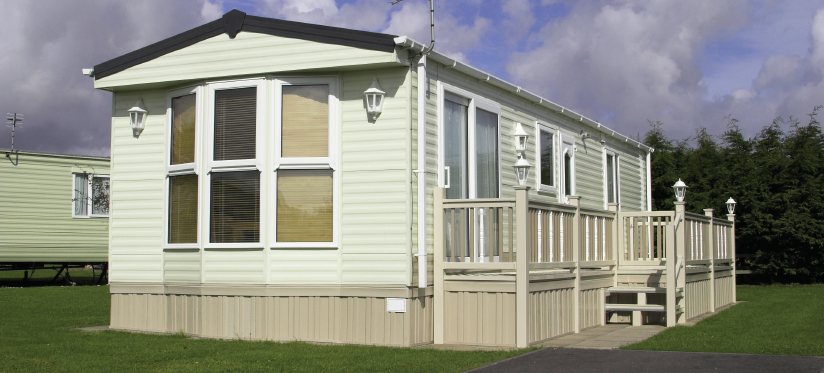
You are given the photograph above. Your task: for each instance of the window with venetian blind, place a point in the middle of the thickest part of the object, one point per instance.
(305, 179)
(182, 188)
(234, 193)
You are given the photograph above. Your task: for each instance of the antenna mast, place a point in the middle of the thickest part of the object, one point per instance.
(431, 46)
(12, 121)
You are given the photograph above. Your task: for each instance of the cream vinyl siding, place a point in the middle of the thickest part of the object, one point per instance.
(589, 172)
(374, 181)
(248, 53)
(138, 177)
(632, 170)
(36, 223)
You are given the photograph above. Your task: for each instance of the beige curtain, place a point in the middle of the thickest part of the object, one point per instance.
(183, 129)
(304, 206)
(235, 207)
(183, 209)
(305, 131)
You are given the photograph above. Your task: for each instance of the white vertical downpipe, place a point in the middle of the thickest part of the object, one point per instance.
(422, 83)
(649, 180)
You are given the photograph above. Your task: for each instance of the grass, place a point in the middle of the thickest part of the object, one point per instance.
(43, 277)
(776, 320)
(38, 333)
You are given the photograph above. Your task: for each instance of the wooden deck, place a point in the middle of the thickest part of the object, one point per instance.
(515, 272)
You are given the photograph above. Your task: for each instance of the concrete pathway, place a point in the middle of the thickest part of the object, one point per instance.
(574, 360)
(607, 337)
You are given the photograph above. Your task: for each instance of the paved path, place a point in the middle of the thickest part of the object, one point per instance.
(606, 337)
(560, 360)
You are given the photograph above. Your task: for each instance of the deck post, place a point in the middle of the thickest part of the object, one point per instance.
(731, 217)
(616, 243)
(522, 267)
(708, 212)
(670, 268)
(680, 261)
(438, 237)
(576, 256)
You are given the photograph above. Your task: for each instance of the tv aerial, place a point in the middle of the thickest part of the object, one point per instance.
(13, 120)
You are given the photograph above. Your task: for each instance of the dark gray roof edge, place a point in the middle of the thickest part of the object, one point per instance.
(270, 26)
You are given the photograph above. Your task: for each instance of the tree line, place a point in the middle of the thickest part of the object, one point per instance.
(776, 177)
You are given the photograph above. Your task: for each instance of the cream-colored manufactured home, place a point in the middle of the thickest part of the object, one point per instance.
(261, 198)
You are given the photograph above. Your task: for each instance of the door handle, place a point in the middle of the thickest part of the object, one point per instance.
(448, 176)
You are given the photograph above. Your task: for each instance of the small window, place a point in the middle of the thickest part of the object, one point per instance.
(304, 206)
(183, 209)
(546, 159)
(612, 178)
(91, 195)
(305, 128)
(567, 174)
(183, 130)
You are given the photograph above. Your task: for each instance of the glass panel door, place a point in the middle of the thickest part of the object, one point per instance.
(455, 149)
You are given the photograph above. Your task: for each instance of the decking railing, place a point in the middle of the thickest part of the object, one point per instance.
(529, 252)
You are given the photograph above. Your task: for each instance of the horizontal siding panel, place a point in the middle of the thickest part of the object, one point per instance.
(303, 266)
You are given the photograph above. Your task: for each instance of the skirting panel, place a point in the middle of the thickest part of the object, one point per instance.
(724, 290)
(697, 298)
(590, 308)
(551, 313)
(359, 320)
(479, 318)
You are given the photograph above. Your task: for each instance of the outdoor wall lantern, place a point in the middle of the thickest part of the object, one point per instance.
(680, 190)
(521, 170)
(137, 118)
(374, 99)
(520, 138)
(731, 206)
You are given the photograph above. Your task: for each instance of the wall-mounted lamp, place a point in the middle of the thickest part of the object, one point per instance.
(680, 190)
(585, 135)
(374, 99)
(731, 206)
(522, 170)
(137, 118)
(520, 138)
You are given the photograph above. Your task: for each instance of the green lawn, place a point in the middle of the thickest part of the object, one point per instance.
(43, 277)
(37, 333)
(780, 320)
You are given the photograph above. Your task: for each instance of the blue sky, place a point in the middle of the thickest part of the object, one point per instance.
(622, 62)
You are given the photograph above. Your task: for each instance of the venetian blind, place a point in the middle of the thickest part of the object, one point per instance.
(305, 121)
(304, 206)
(183, 129)
(235, 207)
(235, 124)
(183, 209)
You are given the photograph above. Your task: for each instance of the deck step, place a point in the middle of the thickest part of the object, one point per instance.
(630, 289)
(635, 307)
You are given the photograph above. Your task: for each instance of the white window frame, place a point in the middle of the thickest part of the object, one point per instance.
(185, 168)
(305, 163)
(254, 164)
(539, 158)
(88, 184)
(616, 169)
(475, 102)
(567, 143)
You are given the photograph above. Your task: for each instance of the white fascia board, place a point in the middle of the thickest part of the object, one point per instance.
(406, 42)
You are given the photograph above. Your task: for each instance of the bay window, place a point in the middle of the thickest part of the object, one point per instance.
(182, 179)
(305, 170)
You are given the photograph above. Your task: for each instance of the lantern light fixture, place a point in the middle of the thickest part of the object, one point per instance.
(374, 99)
(137, 118)
(522, 170)
(731, 206)
(520, 138)
(680, 190)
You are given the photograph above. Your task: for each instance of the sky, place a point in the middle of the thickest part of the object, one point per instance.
(687, 64)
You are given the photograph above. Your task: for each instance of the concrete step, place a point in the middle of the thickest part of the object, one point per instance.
(630, 289)
(635, 307)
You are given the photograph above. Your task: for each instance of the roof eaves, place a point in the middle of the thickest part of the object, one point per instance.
(406, 42)
(275, 27)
